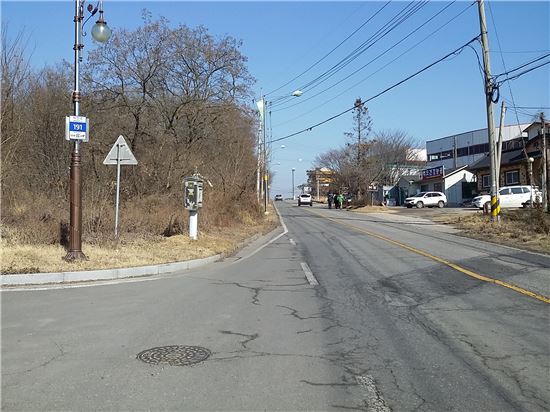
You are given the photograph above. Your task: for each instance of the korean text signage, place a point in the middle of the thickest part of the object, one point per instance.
(432, 173)
(77, 128)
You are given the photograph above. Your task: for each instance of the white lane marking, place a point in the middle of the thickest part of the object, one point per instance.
(285, 231)
(309, 274)
(292, 242)
(375, 401)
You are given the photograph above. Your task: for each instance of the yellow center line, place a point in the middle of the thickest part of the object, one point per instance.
(454, 266)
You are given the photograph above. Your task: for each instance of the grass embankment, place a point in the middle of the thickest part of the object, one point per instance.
(522, 228)
(131, 251)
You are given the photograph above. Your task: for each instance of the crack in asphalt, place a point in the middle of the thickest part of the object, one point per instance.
(245, 342)
(55, 357)
(525, 390)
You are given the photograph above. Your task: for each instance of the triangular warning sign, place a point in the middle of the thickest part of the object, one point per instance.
(120, 153)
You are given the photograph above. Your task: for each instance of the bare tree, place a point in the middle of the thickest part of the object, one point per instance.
(382, 161)
(15, 73)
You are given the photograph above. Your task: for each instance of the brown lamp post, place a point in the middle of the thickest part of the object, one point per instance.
(101, 33)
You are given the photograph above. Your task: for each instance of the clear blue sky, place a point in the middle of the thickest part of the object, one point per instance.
(282, 39)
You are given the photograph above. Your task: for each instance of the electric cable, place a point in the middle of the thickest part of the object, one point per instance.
(302, 101)
(378, 35)
(504, 66)
(379, 69)
(387, 28)
(517, 76)
(507, 73)
(531, 107)
(331, 51)
(454, 52)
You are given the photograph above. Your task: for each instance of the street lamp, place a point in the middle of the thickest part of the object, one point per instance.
(101, 33)
(262, 107)
(293, 196)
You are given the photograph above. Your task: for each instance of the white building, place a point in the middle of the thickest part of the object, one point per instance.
(463, 149)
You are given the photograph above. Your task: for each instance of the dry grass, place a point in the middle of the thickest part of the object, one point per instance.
(133, 250)
(525, 228)
(374, 209)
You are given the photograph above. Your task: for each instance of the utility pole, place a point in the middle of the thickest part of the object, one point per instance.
(317, 175)
(261, 180)
(495, 206)
(293, 195)
(358, 106)
(259, 166)
(544, 166)
(499, 144)
(264, 155)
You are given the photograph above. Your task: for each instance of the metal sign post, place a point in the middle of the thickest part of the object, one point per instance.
(120, 154)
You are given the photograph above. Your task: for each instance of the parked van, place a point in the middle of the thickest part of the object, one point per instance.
(510, 196)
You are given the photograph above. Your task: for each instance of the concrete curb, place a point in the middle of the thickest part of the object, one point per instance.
(104, 274)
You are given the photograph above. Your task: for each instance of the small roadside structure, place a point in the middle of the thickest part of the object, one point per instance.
(457, 184)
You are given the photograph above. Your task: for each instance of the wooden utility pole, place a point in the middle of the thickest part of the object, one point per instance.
(544, 166)
(358, 106)
(499, 144)
(495, 206)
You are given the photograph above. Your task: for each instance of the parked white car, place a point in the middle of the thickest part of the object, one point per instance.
(510, 196)
(305, 199)
(428, 199)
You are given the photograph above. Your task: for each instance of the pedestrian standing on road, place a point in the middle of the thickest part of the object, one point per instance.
(340, 200)
(330, 198)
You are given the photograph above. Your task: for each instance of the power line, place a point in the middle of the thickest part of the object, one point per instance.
(454, 52)
(387, 28)
(522, 66)
(381, 68)
(302, 101)
(517, 76)
(504, 66)
(531, 107)
(331, 51)
(397, 20)
(516, 51)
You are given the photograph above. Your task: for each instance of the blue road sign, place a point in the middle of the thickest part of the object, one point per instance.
(76, 128)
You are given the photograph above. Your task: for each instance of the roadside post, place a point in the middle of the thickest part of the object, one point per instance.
(544, 165)
(119, 155)
(192, 201)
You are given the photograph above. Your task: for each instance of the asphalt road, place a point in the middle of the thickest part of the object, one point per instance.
(388, 327)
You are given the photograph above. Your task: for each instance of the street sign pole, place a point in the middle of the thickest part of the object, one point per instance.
(117, 189)
(74, 252)
(119, 155)
(193, 224)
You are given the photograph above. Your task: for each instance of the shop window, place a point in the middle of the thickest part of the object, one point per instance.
(486, 180)
(512, 177)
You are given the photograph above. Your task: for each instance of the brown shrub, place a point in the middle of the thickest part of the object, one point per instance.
(35, 219)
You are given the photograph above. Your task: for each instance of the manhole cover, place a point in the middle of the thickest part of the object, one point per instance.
(174, 355)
